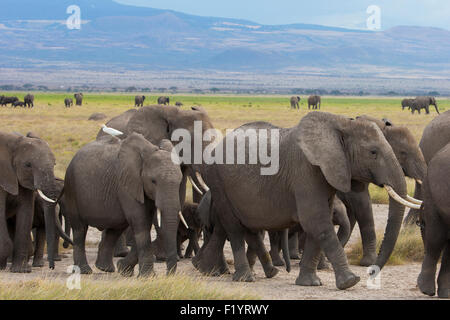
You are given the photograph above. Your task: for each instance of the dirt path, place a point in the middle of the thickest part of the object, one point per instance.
(397, 282)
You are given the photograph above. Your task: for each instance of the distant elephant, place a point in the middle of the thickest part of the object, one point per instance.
(314, 101)
(139, 101)
(434, 222)
(78, 98)
(18, 104)
(423, 103)
(178, 104)
(112, 183)
(406, 103)
(29, 100)
(163, 100)
(27, 166)
(68, 102)
(295, 102)
(8, 100)
(436, 136)
(322, 154)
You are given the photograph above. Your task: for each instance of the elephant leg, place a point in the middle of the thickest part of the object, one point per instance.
(121, 249)
(39, 244)
(192, 246)
(323, 263)
(79, 249)
(444, 274)
(158, 248)
(435, 239)
(293, 246)
(125, 266)
(106, 248)
(242, 269)
(141, 229)
(413, 214)
(6, 246)
(256, 242)
(308, 264)
(275, 248)
(129, 237)
(22, 237)
(251, 257)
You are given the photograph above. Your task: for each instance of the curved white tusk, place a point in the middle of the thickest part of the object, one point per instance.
(111, 131)
(201, 181)
(182, 220)
(158, 217)
(413, 200)
(419, 181)
(43, 196)
(399, 199)
(195, 186)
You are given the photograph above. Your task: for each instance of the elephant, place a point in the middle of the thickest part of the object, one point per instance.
(178, 104)
(68, 102)
(314, 101)
(295, 102)
(111, 184)
(434, 221)
(163, 100)
(27, 167)
(406, 103)
(139, 101)
(358, 203)
(8, 100)
(78, 98)
(29, 100)
(423, 103)
(436, 135)
(322, 154)
(18, 104)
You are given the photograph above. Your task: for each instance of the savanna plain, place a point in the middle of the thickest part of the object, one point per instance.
(68, 129)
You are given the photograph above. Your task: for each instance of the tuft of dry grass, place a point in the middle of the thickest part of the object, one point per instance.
(176, 287)
(409, 248)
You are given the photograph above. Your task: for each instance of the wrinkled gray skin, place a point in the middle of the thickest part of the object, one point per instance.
(163, 100)
(435, 226)
(358, 203)
(436, 135)
(78, 98)
(68, 102)
(112, 183)
(29, 100)
(423, 103)
(314, 101)
(139, 101)
(406, 103)
(320, 155)
(295, 102)
(27, 165)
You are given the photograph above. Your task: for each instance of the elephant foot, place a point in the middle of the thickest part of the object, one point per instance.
(20, 268)
(272, 272)
(211, 269)
(294, 255)
(124, 268)
(105, 267)
(346, 280)
(368, 260)
(308, 279)
(85, 269)
(244, 276)
(443, 293)
(146, 272)
(426, 284)
(65, 244)
(38, 263)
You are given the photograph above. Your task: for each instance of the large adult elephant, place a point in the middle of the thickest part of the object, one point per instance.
(78, 98)
(112, 183)
(8, 100)
(359, 205)
(295, 102)
(322, 154)
(29, 100)
(436, 135)
(164, 100)
(27, 166)
(139, 101)
(423, 103)
(435, 226)
(406, 103)
(314, 101)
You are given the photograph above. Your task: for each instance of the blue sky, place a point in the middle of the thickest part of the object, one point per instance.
(340, 13)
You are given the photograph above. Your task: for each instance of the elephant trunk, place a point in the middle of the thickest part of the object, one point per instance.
(169, 232)
(285, 249)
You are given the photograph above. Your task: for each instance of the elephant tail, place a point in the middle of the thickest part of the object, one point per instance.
(437, 110)
(59, 228)
(285, 249)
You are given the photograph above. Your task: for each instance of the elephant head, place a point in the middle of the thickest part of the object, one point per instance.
(27, 162)
(147, 171)
(350, 151)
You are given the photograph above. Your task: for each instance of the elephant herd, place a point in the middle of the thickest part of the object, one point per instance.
(68, 102)
(139, 101)
(313, 101)
(420, 103)
(126, 182)
(28, 101)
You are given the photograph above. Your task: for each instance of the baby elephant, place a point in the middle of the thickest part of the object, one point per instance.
(434, 222)
(68, 102)
(111, 184)
(18, 104)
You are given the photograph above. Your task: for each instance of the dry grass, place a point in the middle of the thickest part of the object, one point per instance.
(177, 287)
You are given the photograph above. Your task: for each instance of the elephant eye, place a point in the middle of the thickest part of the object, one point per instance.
(28, 164)
(374, 153)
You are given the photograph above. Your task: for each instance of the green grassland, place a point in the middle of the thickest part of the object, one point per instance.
(67, 129)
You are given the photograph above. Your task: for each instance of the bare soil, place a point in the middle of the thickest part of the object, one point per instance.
(397, 282)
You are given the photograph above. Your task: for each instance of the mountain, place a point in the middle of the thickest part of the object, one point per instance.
(33, 34)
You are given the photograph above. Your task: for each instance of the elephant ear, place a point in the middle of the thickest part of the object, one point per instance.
(8, 177)
(130, 161)
(322, 142)
(153, 122)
